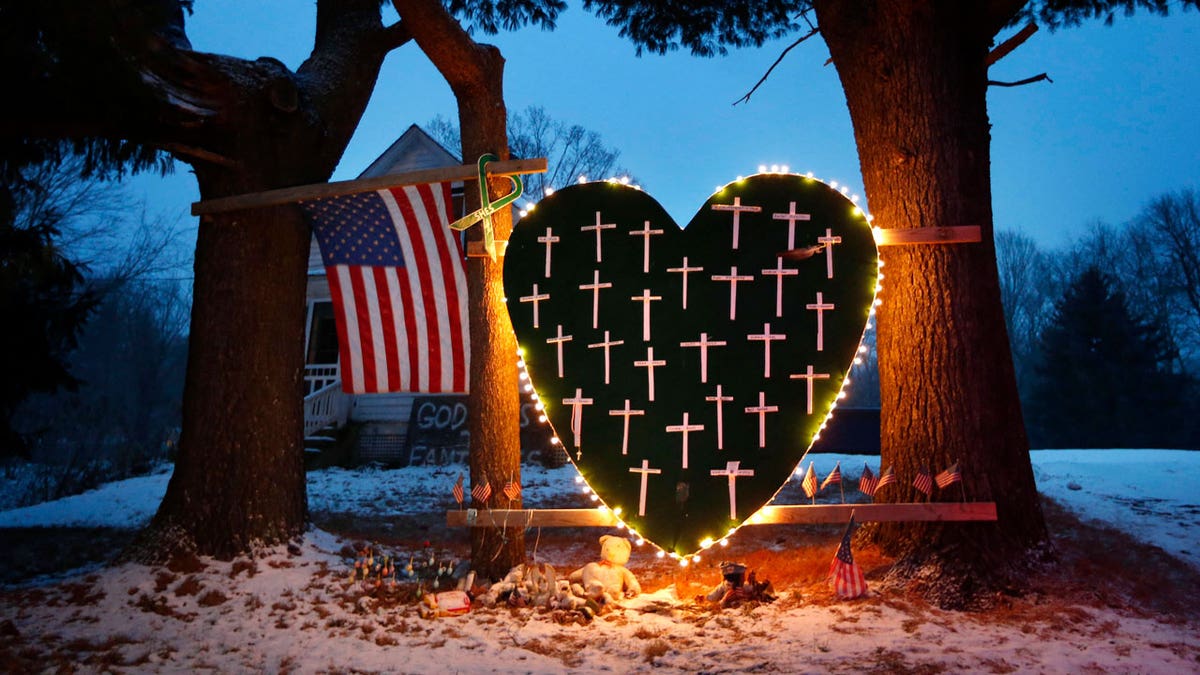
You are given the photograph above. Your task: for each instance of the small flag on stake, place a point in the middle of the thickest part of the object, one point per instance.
(810, 482)
(923, 482)
(512, 489)
(949, 477)
(834, 476)
(483, 491)
(845, 575)
(867, 482)
(887, 477)
(458, 490)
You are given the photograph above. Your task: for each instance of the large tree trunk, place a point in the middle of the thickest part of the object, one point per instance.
(239, 476)
(475, 72)
(915, 82)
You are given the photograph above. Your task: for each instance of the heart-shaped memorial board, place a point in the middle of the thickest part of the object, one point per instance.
(687, 371)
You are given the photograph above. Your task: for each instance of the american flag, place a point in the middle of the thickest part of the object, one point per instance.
(399, 288)
(844, 574)
(512, 489)
(834, 476)
(887, 477)
(949, 477)
(867, 482)
(923, 482)
(483, 491)
(458, 490)
(810, 482)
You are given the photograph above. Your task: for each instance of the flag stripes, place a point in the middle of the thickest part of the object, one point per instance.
(398, 281)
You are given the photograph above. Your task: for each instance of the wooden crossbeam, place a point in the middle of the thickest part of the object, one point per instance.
(960, 234)
(298, 193)
(769, 515)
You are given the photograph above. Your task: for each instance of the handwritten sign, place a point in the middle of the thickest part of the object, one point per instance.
(438, 433)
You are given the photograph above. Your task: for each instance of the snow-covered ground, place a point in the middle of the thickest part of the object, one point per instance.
(1148, 493)
(295, 610)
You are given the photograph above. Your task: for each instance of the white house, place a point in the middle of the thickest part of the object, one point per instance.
(385, 417)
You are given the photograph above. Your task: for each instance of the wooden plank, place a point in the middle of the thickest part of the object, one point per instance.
(298, 193)
(961, 234)
(769, 515)
(840, 513)
(533, 518)
(475, 249)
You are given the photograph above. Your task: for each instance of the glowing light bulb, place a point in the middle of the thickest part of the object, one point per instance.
(554, 440)
(724, 542)
(706, 542)
(696, 558)
(833, 184)
(617, 510)
(774, 168)
(547, 190)
(578, 479)
(683, 562)
(522, 213)
(784, 168)
(762, 168)
(582, 179)
(660, 554)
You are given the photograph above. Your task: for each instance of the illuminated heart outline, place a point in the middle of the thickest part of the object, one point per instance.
(686, 509)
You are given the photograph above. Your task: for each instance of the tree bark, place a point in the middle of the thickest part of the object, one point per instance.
(915, 80)
(475, 74)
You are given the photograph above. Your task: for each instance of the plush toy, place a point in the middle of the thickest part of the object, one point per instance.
(607, 580)
(524, 585)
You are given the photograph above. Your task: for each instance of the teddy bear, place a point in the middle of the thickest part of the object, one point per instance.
(607, 580)
(525, 585)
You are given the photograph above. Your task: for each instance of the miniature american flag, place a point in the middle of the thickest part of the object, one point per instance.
(458, 490)
(866, 482)
(886, 477)
(834, 476)
(810, 482)
(483, 491)
(923, 482)
(949, 477)
(399, 288)
(844, 574)
(512, 489)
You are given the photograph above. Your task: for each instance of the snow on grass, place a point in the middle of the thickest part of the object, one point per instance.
(295, 609)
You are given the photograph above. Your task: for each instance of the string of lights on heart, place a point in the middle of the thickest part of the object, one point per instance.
(687, 371)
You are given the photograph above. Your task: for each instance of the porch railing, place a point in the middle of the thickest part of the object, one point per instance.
(325, 407)
(320, 375)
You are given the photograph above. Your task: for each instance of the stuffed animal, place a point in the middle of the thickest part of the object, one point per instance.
(607, 580)
(532, 584)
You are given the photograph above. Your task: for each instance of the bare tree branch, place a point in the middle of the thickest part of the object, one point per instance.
(782, 54)
(1011, 43)
(1018, 83)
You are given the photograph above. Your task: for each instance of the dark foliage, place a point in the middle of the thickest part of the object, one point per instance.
(44, 305)
(490, 16)
(706, 28)
(1103, 379)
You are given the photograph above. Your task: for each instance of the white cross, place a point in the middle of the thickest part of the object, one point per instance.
(828, 241)
(733, 278)
(645, 233)
(737, 209)
(684, 271)
(536, 298)
(685, 429)
(649, 364)
(577, 404)
(559, 340)
(810, 376)
(607, 345)
(595, 287)
(779, 272)
(626, 412)
(645, 298)
(548, 239)
(791, 216)
(761, 410)
(732, 472)
(720, 401)
(820, 306)
(766, 337)
(645, 471)
(598, 228)
(703, 344)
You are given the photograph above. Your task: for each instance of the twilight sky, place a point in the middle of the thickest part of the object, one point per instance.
(1119, 125)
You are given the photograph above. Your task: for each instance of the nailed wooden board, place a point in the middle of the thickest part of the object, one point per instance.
(302, 192)
(769, 515)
